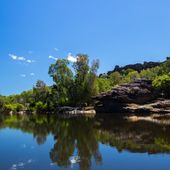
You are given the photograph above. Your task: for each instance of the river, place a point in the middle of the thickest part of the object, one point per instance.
(38, 142)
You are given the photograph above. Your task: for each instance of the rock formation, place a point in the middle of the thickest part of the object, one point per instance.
(137, 67)
(137, 97)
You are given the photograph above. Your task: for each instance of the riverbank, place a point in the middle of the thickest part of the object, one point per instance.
(159, 106)
(137, 97)
(153, 118)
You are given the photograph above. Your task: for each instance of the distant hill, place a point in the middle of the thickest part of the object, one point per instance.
(137, 67)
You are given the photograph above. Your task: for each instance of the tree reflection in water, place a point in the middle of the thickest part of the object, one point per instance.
(73, 137)
(79, 135)
(79, 138)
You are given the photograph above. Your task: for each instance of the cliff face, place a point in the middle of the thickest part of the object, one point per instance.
(138, 92)
(137, 67)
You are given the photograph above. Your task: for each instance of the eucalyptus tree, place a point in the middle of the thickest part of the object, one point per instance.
(63, 78)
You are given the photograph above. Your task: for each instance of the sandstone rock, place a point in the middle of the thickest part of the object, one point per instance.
(137, 67)
(138, 92)
(76, 111)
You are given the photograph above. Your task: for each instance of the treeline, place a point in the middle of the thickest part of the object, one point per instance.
(159, 75)
(74, 84)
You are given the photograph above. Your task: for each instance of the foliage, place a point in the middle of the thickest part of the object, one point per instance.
(166, 66)
(115, 78)
(162, 83)
(74, 84)
(103, 85)
(40, 107)
(131, 76)
(85, 79)
(151, 73)
(63, 78)
(74, 89)
(13, 107)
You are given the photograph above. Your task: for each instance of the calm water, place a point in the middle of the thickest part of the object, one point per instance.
(51, 143)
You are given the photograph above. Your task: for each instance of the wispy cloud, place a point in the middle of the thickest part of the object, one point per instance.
(51, 57)
(30, 61)
(21, 165)
(26, 75)
(14, 57)
(23, 75)
(71, 58)
(19, 58)
(32, 74)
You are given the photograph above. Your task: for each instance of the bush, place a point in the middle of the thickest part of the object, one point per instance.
(40, 107)
(151, 73)
(103, 85)
(162, 84)
(131, 76)
(13, 107)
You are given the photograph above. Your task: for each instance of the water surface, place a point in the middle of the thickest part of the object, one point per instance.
(48, 142)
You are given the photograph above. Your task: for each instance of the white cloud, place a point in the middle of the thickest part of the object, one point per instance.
(29, 61)
(71, 58)
(32, 74)
(18, 58)
(23, 75)
(21, 164)
(56, 49)
(14, 57)
(21, 58)
(29, 161)
(54, 58)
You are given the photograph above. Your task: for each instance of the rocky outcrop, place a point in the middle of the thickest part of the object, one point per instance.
(137, 67)
(157, 106)
(138, 92)
(68, 112)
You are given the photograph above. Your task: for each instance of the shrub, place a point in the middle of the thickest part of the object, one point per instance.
(40, 107)
(162, 84)
(13, 107)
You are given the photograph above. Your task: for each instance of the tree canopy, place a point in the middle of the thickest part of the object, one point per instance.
(75, 84)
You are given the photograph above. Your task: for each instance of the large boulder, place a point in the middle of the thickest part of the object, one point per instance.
(159, 106)
(139, 92)
(68, 112)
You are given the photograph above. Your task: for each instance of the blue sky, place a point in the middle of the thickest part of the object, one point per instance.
(114, 31)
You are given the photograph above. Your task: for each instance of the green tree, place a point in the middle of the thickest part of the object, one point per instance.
(63, 78)
(115, 78)
(127, 71)
(13, 107)
(162, 83)
(131, 76)
(41, 91)
(166, 66)
(2, 103)
(151, 73)
(85, 79)
(103, 85)
(40, 107)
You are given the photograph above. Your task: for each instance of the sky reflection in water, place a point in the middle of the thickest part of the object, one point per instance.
(48, 142)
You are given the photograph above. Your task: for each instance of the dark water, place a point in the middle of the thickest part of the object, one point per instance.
(51, 143)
